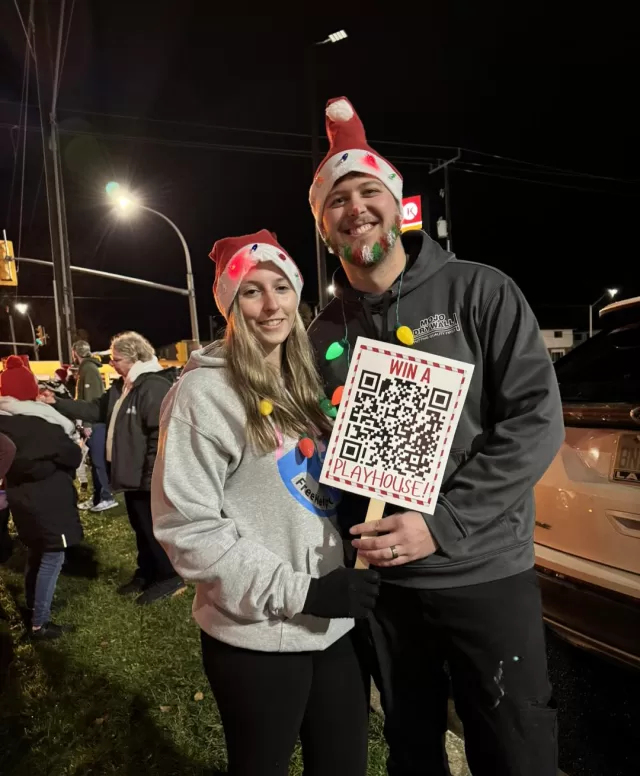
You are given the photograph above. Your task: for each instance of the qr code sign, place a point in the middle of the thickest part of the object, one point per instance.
(395, 423)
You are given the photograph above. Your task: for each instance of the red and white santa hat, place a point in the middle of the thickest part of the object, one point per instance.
(234, 257)
(349, 152)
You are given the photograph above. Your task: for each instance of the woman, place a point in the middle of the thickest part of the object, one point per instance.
(238, 506)
(130, 409)
(40, 490)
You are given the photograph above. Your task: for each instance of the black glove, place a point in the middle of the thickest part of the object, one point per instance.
(343, 593)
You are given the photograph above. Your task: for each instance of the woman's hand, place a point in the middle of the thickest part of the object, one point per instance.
(46, 397)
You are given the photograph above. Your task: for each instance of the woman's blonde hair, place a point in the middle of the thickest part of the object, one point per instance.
(294, 393)
(133, 346)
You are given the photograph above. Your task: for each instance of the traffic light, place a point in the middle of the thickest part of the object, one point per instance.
(8, 274)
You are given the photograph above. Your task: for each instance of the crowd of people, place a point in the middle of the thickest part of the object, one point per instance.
(211, 471)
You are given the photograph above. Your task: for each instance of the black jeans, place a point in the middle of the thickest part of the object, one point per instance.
(491, 636)
(267, 699)
(153, 563)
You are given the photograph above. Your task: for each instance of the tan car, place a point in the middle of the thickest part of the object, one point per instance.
(588, 502)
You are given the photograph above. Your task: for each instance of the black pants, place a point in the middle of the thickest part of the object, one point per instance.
(491, 636)
(153, 563)
(267, 699)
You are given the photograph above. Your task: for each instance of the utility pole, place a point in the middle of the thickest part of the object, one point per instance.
(447, 207)
(47, 80)
(321, 260)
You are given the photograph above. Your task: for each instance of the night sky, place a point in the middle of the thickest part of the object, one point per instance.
(168, 97)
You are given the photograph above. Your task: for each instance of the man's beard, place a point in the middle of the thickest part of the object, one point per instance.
(368, 255)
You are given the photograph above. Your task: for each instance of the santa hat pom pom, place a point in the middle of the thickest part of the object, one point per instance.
(340, 110)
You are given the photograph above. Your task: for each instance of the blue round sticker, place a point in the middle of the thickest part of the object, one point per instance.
(302, 478)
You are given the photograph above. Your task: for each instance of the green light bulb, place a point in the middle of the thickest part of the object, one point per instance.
(335, 350)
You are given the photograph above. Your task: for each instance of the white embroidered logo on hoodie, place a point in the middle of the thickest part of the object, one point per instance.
(436, 325)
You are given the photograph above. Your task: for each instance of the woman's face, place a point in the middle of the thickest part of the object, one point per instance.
(268, 305)
(121, 363)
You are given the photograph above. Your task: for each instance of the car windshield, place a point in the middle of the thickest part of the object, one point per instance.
(604, 369)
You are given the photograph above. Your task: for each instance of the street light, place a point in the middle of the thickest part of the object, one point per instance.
(23, 309)
(331, 289)
(611, 292)
(127, 204)
(334, 37)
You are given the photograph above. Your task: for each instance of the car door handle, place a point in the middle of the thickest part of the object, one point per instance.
(627, 523)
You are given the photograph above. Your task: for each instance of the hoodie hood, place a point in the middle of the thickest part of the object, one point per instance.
(209, 356)
(11, 406)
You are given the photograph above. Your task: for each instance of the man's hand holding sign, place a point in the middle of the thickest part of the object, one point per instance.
(403, 538)
(391, 440)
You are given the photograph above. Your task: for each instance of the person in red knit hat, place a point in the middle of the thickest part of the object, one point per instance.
(18, 380)
(238, 506)
(459, 587)
(40, 489)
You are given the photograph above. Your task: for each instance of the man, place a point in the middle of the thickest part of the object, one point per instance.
(89, 386)
(459, 586)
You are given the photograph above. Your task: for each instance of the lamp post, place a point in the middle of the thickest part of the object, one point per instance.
(334, 37)
(610, 292)
(126, 203)
(23, 309)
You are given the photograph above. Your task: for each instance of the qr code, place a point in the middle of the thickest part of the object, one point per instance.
(395, 423)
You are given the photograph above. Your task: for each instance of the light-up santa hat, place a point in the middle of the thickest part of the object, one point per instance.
(234, 257)
(349, 152)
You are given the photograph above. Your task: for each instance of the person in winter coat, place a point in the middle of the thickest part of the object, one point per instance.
(40, 489)
(458, 585)
(130, 410)
(89, 386)
(238, 506)
(7, 454)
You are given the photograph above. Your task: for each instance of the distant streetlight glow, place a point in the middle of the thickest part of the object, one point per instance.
(612, 292)
(21, 307)
(331, 289)
(127, 203)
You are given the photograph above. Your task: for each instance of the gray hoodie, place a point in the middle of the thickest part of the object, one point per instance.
(251, 530)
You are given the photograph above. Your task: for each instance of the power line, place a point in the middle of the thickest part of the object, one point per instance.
(24, 29)
(24, 133)
(544, 183)
(61, 53)
(302, 135)
(203, 145)
(549, 170)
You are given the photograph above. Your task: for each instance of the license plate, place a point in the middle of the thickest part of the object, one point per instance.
(627, 465)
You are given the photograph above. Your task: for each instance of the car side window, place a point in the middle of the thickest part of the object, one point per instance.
(605, 368)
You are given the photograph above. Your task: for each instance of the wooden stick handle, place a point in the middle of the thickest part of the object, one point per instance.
(374, 512)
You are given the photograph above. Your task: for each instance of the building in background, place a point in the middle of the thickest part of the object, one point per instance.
(558, 341)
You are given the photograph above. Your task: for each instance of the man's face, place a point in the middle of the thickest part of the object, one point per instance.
(75, 357)
(361, 221)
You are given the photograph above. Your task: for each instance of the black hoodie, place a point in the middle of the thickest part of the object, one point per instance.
(511, 424)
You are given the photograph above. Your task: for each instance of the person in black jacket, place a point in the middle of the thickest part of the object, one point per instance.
(7, 454)
(40, 490)
(130, 409)
(458, 579)
(89, 386)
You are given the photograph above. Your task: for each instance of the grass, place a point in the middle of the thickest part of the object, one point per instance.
(120, 695)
